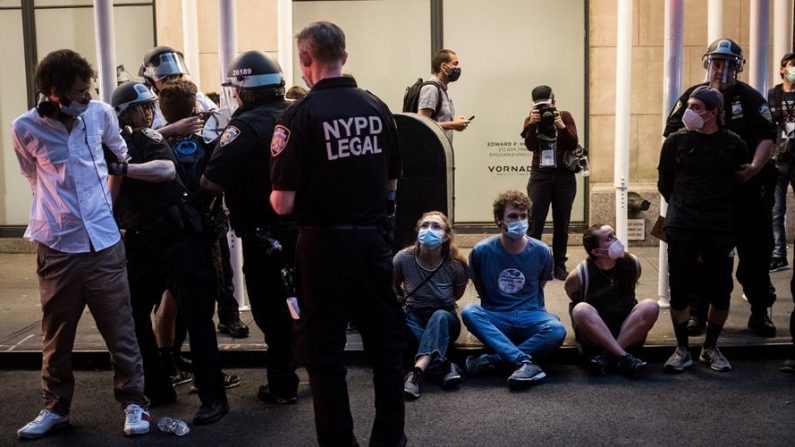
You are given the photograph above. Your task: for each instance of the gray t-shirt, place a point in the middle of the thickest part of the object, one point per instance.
(429, 96)
(437, 292)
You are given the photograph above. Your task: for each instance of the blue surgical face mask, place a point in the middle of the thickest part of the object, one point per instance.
(430, 238)
(517, 228)
(74, 108)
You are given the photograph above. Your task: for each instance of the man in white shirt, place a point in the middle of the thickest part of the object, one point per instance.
(81, 260)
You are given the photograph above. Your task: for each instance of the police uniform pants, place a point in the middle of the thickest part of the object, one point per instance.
(182, 263)
(754, 234)
(68, 282)
(228, 309)
(267, 295)
(557, 188)
(348, 274)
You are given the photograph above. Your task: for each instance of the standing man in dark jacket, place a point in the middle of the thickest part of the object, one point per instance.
(240, 168)
(745, 113)
(698, 167)
(550, 133)
(334, 165)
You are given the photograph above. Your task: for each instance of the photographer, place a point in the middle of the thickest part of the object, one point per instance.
(549, 133)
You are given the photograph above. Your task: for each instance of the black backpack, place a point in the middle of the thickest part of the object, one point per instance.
(411, 99)
(191, 155)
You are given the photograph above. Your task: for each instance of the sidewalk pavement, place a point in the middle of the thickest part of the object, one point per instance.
(20, 322)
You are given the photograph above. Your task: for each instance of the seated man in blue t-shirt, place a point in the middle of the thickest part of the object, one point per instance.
(509, 272)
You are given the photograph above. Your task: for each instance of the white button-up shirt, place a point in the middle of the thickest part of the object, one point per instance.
(71, 209)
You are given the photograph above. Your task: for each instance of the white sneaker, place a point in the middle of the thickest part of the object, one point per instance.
(136, 420)
(715, 359)
(43, 424)
(678, 361)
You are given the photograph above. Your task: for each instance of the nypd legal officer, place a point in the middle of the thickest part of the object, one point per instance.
(167, 247)
(746, 113)
(334, 166)
(240, 168)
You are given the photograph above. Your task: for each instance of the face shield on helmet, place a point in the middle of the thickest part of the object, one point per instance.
(723, 61)
(165, 64)
(252, 70)
(130, 95)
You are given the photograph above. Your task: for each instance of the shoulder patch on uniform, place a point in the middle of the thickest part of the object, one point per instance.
(229, 135)
(281, 135)
(677, 106)
(764, 110)
(153, 134)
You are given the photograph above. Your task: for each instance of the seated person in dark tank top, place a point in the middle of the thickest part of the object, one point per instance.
(606, 317)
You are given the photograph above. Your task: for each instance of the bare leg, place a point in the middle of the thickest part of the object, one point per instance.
(638, 323)
(165, 319)
(589, 324)
(423, 362)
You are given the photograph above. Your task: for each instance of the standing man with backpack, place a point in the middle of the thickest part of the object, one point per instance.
(432, 100)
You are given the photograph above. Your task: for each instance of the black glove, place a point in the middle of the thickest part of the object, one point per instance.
(117, 168)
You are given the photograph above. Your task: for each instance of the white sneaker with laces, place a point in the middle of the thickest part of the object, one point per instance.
(45, 422)
(678, 361)
(715, 359)
(136, 420)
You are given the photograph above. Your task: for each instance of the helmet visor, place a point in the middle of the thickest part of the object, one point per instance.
(164, 65)
(721, 72)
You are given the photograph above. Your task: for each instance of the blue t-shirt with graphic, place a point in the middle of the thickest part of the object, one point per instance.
(511, 282)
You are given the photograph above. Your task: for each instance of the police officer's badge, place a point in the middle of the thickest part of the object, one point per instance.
(153, 135)
(764, 110)
(229, 135)
(281, 135)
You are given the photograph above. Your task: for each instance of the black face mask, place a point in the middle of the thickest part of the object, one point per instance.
(454, 74)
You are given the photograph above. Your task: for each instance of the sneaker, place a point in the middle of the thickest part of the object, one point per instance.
(788, 366)
(761, 324)
(714, 358)
(630, 365)
(181, 378)
(598, 364)
(561, 273)
(230, 381)
(526, 373)
(411, 384)
(778, 264)
(44, 423)
(453, 378)
(481, 364)
(235, 328)
(265, 394)
(136, 420)
(696, 326)
(678, 361)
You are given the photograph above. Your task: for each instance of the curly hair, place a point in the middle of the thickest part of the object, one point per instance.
(510, 197)
(58, 71)
(177, 99)
(449, 249)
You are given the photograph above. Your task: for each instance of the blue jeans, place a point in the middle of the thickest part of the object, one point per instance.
(783, 181)
(516, 335)
(434, 330)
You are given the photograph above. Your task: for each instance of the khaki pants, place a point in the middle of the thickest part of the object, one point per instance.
(67, 283)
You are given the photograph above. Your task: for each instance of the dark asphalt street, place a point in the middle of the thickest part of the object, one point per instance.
(752, 406)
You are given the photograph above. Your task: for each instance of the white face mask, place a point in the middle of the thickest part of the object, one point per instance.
(74, 108)
(616, 249)
(790, 75)
(692, 120)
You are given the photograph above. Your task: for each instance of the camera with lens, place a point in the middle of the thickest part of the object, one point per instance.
(546, 125)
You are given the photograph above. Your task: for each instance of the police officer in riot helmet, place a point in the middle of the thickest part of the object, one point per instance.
(746, 113)
(160, 65)
(239, 167)
(165, 247)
